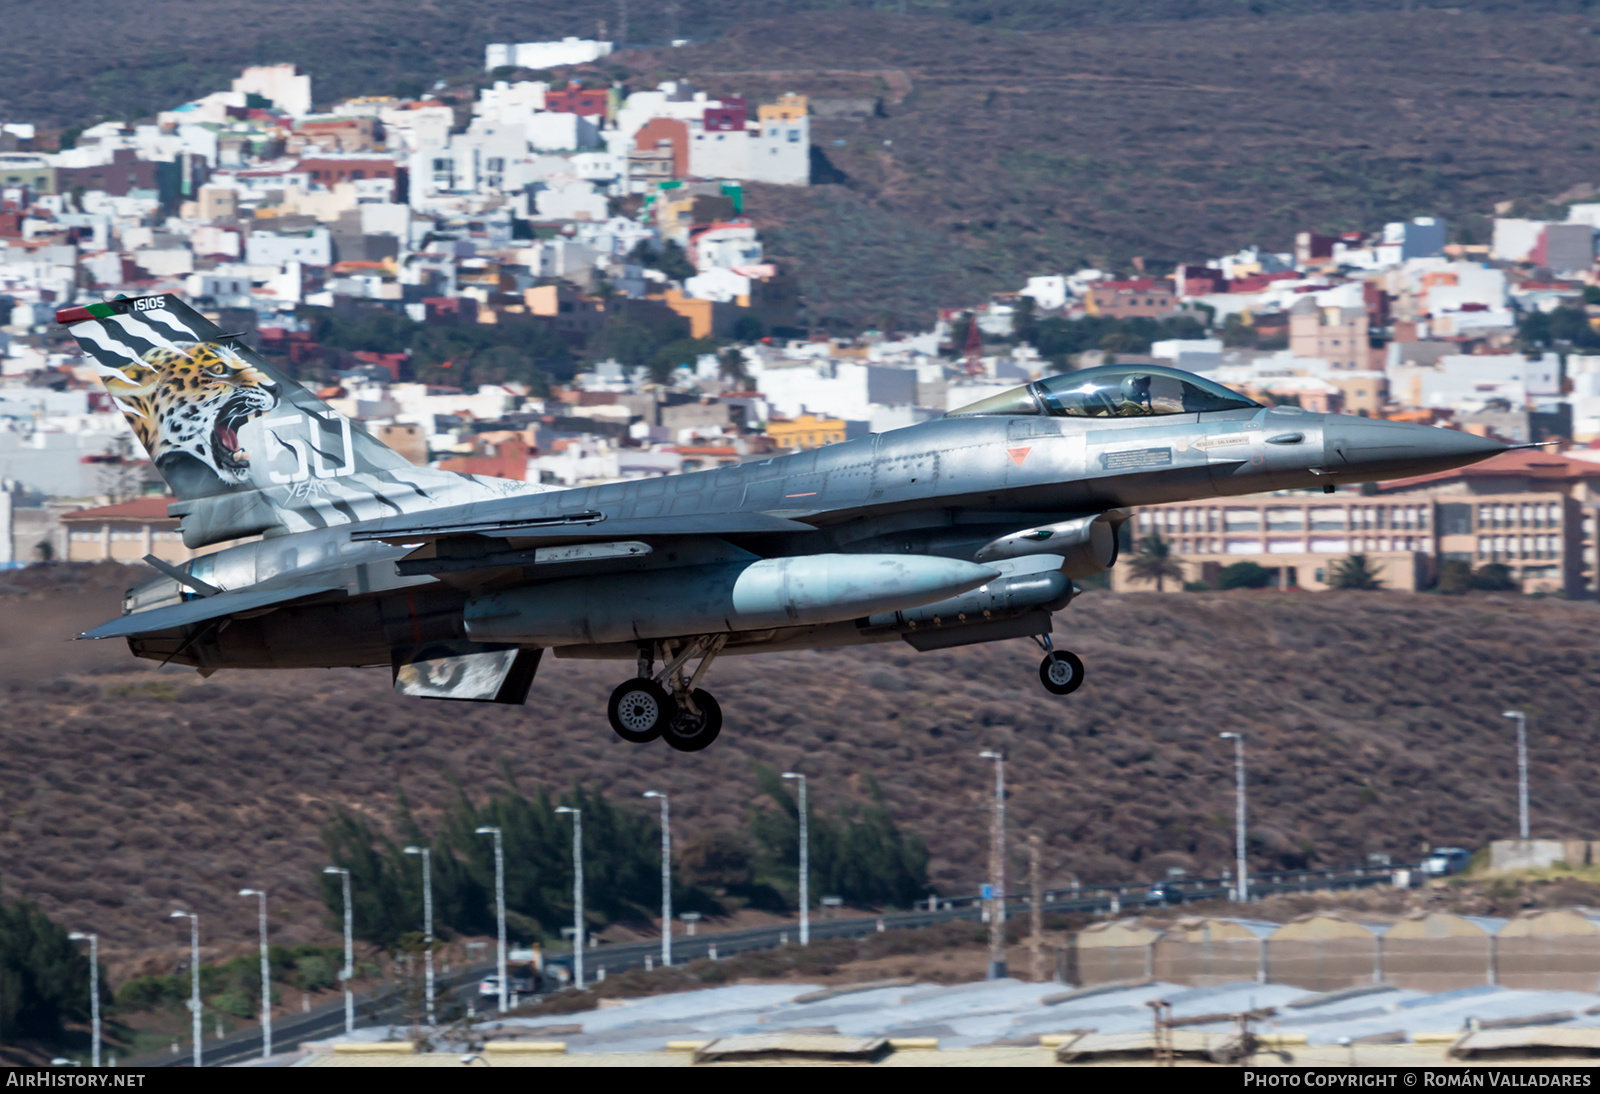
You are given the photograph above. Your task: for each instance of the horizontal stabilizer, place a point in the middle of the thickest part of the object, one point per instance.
(204, 610)
(577, 526)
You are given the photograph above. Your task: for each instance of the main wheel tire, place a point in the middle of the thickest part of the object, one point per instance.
(1061, 672)
(640, 710)
(690, 733)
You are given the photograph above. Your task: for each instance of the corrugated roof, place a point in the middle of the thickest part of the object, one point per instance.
(985, 1012)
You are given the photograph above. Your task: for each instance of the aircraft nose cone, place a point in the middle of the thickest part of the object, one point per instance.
(1369, 446)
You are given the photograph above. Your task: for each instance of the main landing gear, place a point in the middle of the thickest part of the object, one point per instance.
(1061, 672)
(667, 704)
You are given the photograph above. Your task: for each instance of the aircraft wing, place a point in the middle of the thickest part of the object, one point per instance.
(204, 610)
(568, 527)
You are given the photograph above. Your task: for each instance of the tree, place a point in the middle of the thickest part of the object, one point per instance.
(675, 354)
(43, 974)
(730, 364)
(621, 851)
(670, 259)
(1455, 577)
(748, 328)
(1355, 572)
(1244, 575)
(1153, 560)
(857, 854)
(961, 333)
(1025, 321)
(1495, 577)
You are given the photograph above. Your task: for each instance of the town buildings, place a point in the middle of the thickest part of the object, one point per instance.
(565, 204)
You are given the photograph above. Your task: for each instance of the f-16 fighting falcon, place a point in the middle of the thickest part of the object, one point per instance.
(968, 528)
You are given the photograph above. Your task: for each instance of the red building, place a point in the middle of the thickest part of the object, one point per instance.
(331, 170)
(730, 117)
(576, 99)
(659, 136)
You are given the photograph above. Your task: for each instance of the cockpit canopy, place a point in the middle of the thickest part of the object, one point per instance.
(1112, 391)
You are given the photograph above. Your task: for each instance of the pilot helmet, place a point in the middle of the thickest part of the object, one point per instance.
(1136, 387)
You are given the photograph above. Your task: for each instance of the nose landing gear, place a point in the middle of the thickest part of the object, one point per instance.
(688, 718)
(1061, 671)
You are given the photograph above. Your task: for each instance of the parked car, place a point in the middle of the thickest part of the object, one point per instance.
(1162, 893)
(1446, 860)
(489, 987)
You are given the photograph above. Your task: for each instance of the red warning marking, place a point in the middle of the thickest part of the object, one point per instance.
(808, 494)
(1018, 454)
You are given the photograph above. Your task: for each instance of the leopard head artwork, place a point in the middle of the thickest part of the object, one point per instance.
(189, 400)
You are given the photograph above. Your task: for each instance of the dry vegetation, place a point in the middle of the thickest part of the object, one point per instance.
(1000, 155)
(1373, 722)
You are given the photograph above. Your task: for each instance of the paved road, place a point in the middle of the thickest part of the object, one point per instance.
(386, 1006)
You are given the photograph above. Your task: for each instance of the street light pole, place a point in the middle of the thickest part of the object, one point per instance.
(194, 974)
(997, 905)
(577, 893)
(805, 861)
(1241, 889)
(427, 923)
(1522, 770)
(349, 950)
(94, 993)
(499, 909)
(666, 878)
(266, 975)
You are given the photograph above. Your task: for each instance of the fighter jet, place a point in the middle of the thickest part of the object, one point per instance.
(968, 528)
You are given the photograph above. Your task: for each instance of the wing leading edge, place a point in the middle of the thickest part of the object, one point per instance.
(204, 610)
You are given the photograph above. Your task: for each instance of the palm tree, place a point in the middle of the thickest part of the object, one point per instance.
(1355, 572)
(1153, 560)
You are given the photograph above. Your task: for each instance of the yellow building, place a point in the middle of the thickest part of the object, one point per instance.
(27, 169)
(788, 108)
(806, 431)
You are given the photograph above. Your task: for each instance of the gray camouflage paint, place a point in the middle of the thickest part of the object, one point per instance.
(336, 507)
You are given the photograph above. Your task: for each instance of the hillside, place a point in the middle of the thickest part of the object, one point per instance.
(1373, 721)
(1011, 139)
(1000, 155)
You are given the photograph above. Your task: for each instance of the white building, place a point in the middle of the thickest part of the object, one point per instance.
(671, 99)
(313, 247)
(568, 51)
(776, 151)
(550, 131)
(1049, 293)
(1514, 239)
(417, 126)
(1468, 381)
(288, 90)
(725, 246)
(511, 103)
(575, 200)
(1190, 354)
(840, 389)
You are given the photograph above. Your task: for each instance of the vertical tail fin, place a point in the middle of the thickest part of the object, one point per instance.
(214, 416)
(244, 448)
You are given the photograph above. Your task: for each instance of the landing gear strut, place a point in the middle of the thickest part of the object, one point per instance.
(667, 704)
(1061, 672)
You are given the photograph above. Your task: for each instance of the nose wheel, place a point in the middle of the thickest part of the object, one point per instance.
(1061, 672)
(644, 708)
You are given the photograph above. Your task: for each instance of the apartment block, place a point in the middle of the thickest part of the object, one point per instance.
(1533, 512)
